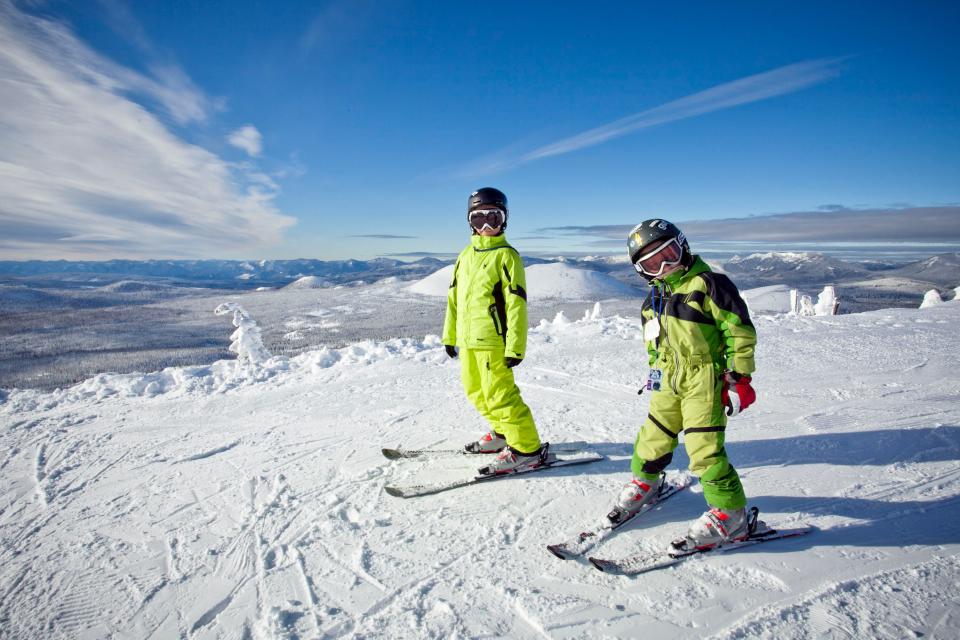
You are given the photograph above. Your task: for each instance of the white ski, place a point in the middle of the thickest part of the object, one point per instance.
(588, 539)
(413, 491)
(653, 560)
(400, 453)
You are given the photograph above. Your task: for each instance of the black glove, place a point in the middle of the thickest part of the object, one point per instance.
(512, 362)
(451, 350)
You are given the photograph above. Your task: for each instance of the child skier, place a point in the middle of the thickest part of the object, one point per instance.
(487, 319)
(700, 343)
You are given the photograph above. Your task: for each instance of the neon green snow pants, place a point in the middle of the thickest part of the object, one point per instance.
(491, 388)
(689, 402)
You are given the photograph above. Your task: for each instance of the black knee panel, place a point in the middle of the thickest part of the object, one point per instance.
(658, 465)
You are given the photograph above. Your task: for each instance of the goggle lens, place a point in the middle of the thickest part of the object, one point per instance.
(481, 218)
(654, 262)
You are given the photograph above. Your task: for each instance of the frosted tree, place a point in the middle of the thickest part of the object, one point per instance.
(806, 306)
(828, 304)
(592, 314)
(246, 340)
(930, 299)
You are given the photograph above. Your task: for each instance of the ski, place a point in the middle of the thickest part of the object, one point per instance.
(413, 491)
(588, 539)
(653, 560)
(400, 453)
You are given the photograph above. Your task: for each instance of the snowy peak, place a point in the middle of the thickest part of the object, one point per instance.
(308, 282)
(560, 280)
(554, 280)
(790, 268)
(942, 269)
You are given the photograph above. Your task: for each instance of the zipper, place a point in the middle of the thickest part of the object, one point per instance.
(666, 337)
(492, 310)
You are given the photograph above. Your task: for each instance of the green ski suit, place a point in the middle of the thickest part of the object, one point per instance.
(487, 319)
(704, 329)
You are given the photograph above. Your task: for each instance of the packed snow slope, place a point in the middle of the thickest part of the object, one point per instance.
(246, 501)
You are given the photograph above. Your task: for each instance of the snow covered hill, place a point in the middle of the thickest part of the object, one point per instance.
(795, 269)
(308, 282)
(766, 300)
(940, 269)
(545, 281)
(246, 501)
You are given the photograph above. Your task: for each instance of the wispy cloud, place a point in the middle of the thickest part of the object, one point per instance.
(339, 22)
(247, 138)
(384, 236)
(88, 168)
(836, 224)
(761, 86)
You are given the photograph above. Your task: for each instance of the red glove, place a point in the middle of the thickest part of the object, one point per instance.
(737, 394)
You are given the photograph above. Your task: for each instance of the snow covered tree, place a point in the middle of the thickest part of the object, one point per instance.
(246, 340)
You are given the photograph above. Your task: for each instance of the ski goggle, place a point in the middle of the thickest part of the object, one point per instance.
(654, 262)
(482, 218)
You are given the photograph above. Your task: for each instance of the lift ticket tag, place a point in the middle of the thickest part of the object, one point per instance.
(653, 379)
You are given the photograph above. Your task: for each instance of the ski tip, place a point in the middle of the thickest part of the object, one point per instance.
(603, 565)
(391, 454)
(557, 550)
(396, 492)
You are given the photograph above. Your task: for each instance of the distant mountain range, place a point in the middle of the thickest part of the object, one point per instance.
(866, 284)
(228, 274)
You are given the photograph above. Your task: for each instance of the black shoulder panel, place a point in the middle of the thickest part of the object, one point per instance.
(725, 295)
(678, 308)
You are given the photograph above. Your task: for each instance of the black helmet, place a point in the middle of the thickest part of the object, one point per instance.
(488, 197)
(648, 232)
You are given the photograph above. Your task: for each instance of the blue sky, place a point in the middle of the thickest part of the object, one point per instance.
(357, 129)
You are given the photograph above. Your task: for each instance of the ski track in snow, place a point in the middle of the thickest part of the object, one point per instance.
(242, 501)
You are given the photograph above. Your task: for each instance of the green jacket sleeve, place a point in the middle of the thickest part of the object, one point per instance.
(732, 317)
(450, 319)
(515, 300)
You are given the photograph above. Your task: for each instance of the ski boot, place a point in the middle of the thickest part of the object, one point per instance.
(717, 527)
(634, 496)
(491, 442)
(511, 461)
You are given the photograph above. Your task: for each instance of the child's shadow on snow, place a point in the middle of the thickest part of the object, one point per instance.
(880, 447)
(860, 448)
(886, 522)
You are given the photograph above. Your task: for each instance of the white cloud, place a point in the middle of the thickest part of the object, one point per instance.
(88, 172)
(247, 138)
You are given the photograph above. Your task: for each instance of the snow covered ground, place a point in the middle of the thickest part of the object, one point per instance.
(246, 501)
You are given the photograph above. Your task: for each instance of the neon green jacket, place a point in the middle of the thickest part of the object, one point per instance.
(702, 319)
(487, 300)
